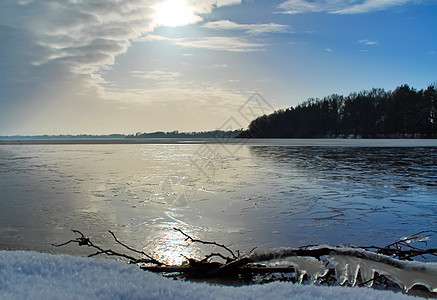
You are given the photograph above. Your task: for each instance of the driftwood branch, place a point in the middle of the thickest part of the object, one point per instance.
(255, 265)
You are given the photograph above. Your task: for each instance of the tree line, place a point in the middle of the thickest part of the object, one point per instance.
(212, 134)
(402, 113)
(216, 134)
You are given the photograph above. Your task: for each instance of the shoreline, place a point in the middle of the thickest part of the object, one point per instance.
(233, 141)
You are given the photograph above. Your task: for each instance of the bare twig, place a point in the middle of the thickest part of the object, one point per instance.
(149, 258)
(207, 243)
(84, 241)
(402, 250)
(410, 238)
(207, 257)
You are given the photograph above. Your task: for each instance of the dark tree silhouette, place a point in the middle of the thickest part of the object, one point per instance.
(403, 113)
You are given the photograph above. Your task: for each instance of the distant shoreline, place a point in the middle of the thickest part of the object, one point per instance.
(103, 141)
(232, 141)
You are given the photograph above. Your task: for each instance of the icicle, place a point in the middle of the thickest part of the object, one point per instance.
(310, 266)
(346, 268)
(366, 273)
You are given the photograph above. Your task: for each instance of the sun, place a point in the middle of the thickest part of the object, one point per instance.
(175, 13)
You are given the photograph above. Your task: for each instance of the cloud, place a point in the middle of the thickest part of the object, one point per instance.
(329, 50)
(53, 50)
(220, 66)
(338, 7)
(368, 43)
(184, 12)
(233, 44)
(157, 75)
(371, 5)
(217, 43)
(301, 6)
(206, 6)
(56, 50)
(249, 28)
(84, 35)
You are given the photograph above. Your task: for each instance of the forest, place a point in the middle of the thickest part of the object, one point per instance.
(216, 134)
(402, 113)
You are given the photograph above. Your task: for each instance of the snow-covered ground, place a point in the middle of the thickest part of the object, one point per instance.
(33, 275)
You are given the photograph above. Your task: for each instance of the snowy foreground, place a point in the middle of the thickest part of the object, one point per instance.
(32, 275)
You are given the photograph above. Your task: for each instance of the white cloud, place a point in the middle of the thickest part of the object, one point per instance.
(217, 43)
(338, 7)
(371, 5)
(81, 36)
(249, 28)
(301, 6)
(220, 66)
(206, 6)
(184, 12)
(85, 35)
(368, 43)
(328, 50)
(158, 75)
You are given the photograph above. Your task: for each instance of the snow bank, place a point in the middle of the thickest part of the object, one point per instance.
(32, 275)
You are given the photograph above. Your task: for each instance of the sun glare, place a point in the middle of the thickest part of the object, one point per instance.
(174, 13)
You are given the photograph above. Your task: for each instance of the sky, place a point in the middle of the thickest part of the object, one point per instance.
(127, 66)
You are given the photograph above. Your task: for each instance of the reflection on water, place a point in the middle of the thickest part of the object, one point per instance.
(266, 196)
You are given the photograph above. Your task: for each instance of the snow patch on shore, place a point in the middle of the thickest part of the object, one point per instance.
(33, 275)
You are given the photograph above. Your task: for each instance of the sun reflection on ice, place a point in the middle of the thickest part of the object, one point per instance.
(172, 247)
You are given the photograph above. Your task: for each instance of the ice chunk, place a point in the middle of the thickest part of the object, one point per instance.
(405, 273)
(349, 262)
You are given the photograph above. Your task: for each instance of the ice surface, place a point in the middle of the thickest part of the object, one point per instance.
(265, 195)
(32, 275)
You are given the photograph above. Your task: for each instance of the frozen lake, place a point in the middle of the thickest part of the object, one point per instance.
(265, 194)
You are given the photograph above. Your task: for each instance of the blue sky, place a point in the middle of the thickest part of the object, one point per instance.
(124, 66)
